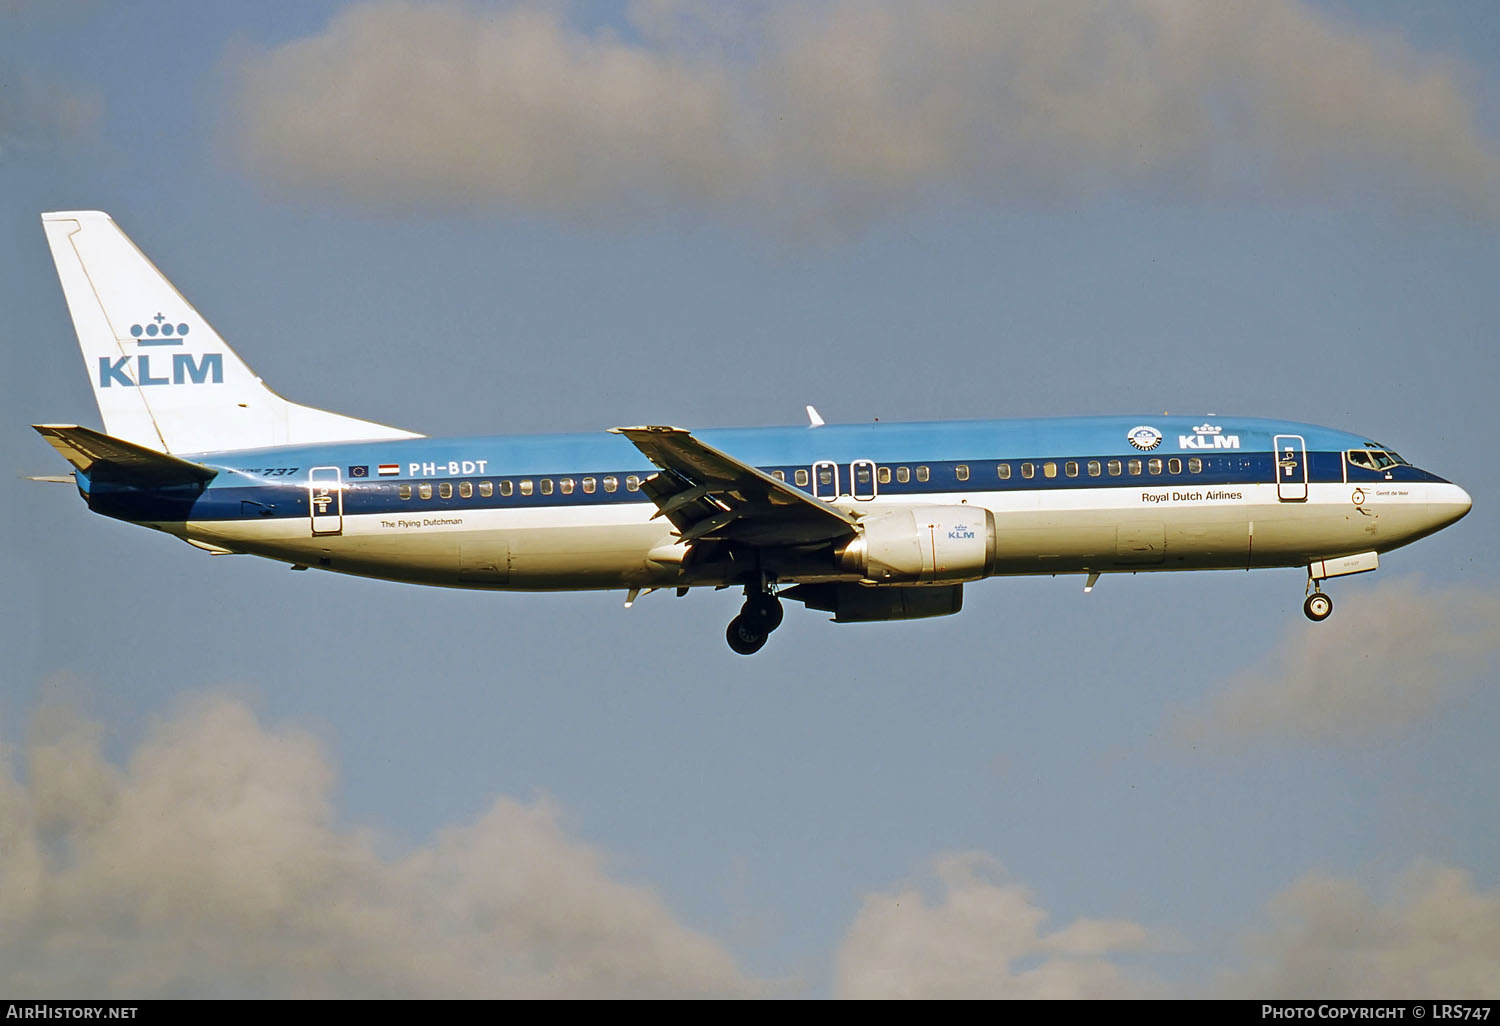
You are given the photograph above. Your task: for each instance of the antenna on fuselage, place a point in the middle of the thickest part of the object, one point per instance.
(814, 420)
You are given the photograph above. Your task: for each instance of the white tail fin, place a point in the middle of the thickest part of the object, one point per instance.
(162, 376)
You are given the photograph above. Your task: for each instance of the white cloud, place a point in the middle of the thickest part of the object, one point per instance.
(854, 103)
(213, 865)
(424, 101)
(982, 937)
(1435, 935)
(36, 114)
(967, 932)
(1388, 658)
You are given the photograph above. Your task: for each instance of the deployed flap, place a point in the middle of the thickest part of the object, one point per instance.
(91, 452)
(707, 494)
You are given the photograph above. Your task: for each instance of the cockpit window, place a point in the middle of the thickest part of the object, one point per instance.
(1375, 459)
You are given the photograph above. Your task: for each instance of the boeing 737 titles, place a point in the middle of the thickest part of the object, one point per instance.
(868, 522)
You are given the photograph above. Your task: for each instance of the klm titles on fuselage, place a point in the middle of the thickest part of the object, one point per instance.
(209, 368)
(1208, 436)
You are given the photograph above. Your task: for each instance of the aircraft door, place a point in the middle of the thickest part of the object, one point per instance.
(1291, 468)
(325, 500)
(825, 480)
(862, 480)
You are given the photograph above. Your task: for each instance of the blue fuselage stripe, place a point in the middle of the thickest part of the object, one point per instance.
(238, 496)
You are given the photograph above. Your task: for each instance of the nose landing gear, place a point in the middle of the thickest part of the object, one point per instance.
(760, 615)
(1318, 606)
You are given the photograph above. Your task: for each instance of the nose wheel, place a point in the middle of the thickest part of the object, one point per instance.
(1317, 607)
(760, 615)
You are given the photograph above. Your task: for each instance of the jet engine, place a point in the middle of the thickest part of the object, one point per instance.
(922, 545)
(863, 603)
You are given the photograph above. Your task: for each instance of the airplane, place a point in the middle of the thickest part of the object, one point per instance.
(869, 522)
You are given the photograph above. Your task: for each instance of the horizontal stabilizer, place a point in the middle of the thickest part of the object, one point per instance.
(93, 451)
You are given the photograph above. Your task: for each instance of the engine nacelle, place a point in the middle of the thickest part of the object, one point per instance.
(861, 603)
(923, 545)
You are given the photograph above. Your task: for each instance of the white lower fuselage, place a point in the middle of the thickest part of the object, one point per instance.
(1089, 530)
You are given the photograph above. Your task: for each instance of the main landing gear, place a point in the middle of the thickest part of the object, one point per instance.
(760, 615)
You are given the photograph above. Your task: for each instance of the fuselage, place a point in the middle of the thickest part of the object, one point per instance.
(547, 512)
(869, 522)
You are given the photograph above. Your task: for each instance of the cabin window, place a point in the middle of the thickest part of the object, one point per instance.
(1195, 465)
(1174, 465)
(424, 490)
(611, 484)
(589, 484)
(633, 483)
(1028, 471)
(566, 486)
(1133, 468)
(883, 475)
(903, 475)
(825, 475)
(800, 476)
(404, 491)
(1049, 469)
(1002, 471)
(445, 490)
(546, 488)
(466, 489)
(923, 473)
(1153, 465)
(862, 475)
(526, 486)
(486, 489)
(506, 488)
(1095, 468)
(779, 475)
(1070, 468)
(962, 471)
(1115, 468)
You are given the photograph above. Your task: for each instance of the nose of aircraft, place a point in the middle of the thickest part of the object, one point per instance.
(1449, 504)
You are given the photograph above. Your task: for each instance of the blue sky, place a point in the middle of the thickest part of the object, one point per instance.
(226, 779)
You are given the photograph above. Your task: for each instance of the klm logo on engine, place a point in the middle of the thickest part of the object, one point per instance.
(1208, 436)
(960, 532)
(185, 369)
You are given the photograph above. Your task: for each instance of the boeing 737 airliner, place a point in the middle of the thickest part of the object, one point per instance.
(868, 522)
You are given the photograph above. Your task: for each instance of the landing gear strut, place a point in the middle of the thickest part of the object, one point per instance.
(1318, 606)
(760, 615)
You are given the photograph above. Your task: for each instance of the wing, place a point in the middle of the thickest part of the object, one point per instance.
(710, 495)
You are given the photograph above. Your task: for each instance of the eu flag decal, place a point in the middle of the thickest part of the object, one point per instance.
(359, 471)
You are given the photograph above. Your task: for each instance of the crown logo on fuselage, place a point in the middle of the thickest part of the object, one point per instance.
(1208, 436)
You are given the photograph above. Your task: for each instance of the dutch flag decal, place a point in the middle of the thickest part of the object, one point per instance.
(390, 469)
